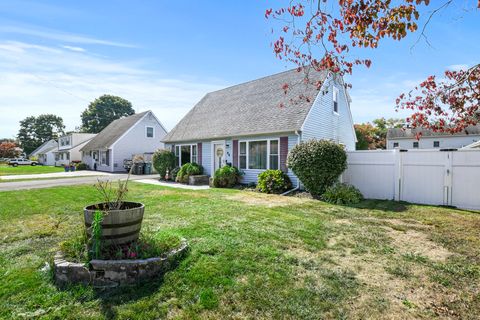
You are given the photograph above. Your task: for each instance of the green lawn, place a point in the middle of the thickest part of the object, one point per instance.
(253, 256)
(8, 170)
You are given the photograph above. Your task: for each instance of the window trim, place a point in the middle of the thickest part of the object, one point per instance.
(101, 157)
(146, 132)
(247, 153)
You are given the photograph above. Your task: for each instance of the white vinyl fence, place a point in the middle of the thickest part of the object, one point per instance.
(419, 176)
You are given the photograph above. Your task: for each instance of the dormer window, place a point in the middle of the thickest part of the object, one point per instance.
(335, 99)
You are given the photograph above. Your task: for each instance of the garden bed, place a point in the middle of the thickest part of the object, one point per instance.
(114, 273)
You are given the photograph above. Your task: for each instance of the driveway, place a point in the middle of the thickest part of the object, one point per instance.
(55, 175)
(48, 183)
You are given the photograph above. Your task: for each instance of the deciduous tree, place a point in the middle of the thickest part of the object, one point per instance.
(8, 150)
(36, 130)
(318, 36)
(101, 112)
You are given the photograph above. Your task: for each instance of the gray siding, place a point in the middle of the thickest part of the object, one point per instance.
(323, 123)
(136, 142)
(207, 157)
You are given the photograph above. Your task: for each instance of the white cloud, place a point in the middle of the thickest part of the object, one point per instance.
(457, 67)
(76, 49)
(39, 79)
(60, 36)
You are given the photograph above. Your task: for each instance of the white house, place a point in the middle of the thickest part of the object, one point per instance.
(254, 125)
(405, 138)
(69, 147)
(44, 153)
(138, 134)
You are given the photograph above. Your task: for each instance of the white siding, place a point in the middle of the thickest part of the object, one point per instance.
(207, 157)
(136, 142)
(323, 123)
(446, 142)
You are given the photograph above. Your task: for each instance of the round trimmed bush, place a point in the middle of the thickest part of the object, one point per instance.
(273, 181)
(163, 160)
(226, 177)
(81, 166)
(341, 193)
(318, 164)
(187, 170)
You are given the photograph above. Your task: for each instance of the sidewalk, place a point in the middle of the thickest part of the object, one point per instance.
(55, 175)
(171, 184)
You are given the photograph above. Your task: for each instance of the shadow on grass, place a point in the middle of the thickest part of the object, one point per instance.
(382, 205)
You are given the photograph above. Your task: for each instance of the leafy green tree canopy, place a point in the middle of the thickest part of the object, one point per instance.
(36, 130)
(105, 109)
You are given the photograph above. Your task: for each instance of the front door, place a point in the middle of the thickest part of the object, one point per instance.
(218, 156)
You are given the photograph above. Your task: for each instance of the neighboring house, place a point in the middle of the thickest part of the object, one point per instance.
(406, 138)
(475, 145)
(69, 147)
(41, 150)
(138, 134)
(254, 125)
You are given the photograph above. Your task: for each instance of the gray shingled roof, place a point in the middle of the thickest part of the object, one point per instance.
(256, 107)
(47, 145)
(112, 132)
(410, 133)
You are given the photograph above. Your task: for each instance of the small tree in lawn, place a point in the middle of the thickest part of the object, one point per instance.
(318, 164)
(163, 160)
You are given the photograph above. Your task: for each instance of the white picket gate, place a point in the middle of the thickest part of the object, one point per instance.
(418, 176)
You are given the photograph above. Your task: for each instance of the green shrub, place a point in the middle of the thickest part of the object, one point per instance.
(226, 177)
(163, 160)
(273, 181)
(82, 166)
(341, 193)
(174, 173)
(187, 170)
(318, 164)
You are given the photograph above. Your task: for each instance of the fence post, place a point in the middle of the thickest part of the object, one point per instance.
(398, 175)
(447, 184)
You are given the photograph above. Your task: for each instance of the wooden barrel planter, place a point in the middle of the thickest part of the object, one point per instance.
(118, 226)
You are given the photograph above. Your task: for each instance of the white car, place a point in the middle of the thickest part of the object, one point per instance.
(21, 162)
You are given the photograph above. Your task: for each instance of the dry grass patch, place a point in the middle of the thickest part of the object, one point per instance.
(268, 200)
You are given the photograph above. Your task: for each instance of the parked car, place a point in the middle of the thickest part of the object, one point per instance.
(22, 162)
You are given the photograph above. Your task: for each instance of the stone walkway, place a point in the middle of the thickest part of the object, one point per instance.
(171, 184)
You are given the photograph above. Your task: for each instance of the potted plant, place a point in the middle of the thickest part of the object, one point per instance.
(66, 167)
(72, 167)
(113, 221)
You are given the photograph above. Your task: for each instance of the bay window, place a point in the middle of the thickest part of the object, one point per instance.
(260, 155)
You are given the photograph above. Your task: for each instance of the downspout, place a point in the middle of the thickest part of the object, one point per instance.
(298, 133)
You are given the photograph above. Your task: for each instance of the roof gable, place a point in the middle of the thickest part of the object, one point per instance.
(255, 107)
(113, 132)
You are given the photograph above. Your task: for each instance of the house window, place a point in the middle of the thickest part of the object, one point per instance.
(243, 155)
(103, 157)
(436, 144)
(335, 100)
(185, 154)
(150, 132)
(415, 144)
(395, 144)
(274, 154)
(194, 154)
(68, 155)
(259, 155)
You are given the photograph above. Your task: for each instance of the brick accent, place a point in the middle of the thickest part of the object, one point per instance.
(235, 153)
(283, 153)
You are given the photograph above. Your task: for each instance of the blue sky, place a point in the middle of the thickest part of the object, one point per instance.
(57, 56)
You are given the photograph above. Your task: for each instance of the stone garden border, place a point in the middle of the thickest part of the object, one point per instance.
(114, 273)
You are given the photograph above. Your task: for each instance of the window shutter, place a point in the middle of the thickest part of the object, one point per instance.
(199, 153)
(235, 153)
(108, 157)
(283, 153)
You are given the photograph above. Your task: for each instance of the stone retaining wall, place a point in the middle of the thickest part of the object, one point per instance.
(114, 273)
